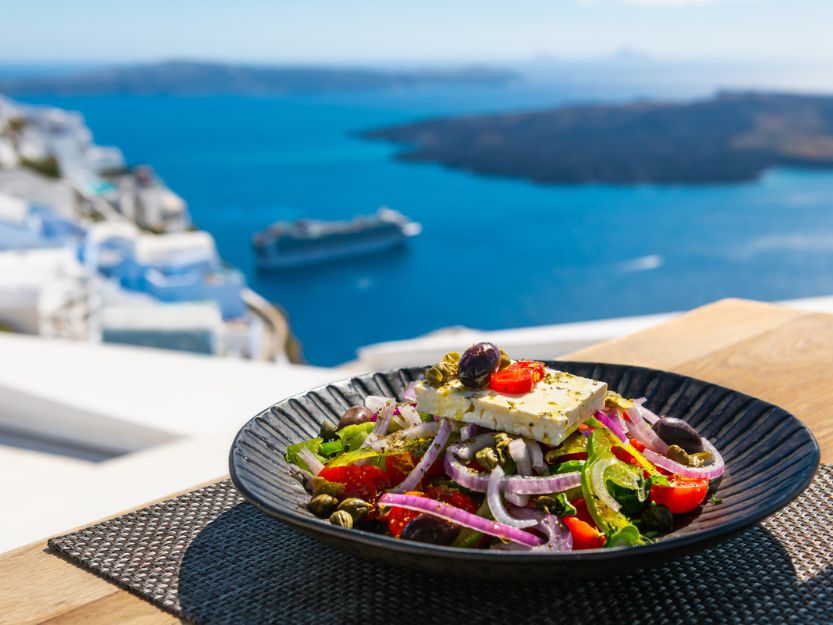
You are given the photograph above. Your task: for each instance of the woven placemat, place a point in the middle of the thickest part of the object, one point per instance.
(210, 558)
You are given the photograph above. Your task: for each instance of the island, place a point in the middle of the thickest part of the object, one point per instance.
(733, 136)
(204, 78)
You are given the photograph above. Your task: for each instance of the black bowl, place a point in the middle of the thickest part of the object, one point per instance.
(770, 458)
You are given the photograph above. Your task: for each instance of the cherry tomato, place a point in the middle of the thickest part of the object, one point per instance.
(585, 536)
(512, 380)
(537, 368)
(682, 495)
(452, 496)
(582, 512)
(398, 518)
(364, 482)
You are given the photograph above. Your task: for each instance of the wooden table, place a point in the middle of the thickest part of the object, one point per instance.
(782, 355)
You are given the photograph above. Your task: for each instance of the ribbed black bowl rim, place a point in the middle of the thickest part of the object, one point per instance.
(683, 543)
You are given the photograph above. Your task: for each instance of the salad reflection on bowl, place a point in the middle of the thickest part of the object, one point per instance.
(487, 452)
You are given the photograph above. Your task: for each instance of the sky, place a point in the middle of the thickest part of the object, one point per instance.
(350, 31)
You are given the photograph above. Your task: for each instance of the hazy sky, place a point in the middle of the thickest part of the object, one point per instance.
(373, 30)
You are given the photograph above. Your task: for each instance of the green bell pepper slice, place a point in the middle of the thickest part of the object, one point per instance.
(611, 522)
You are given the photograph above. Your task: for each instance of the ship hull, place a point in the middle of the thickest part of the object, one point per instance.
(271, 262)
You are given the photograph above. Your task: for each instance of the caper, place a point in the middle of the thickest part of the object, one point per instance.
(546, 503)
(487, 458)
(658, 518)
(558, 505)
(505, 360)
(341, 518)
(355, 415)
(320, 486)
(699, 459)
(502, 441)
(677, 454)
(323, 505)
(434, 376)
(356, 508)
(328, 429)
(452, 357)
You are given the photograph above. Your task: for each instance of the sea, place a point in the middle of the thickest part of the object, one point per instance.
(494, 253)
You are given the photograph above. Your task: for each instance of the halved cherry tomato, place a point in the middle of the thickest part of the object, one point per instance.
(537, 368)
(455, 497)
(398, 518)
(364, 482)
(585, 536)
(582, 512)
(682, 495)
(513, 380)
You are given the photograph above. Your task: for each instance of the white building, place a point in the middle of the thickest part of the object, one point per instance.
(43, 292)
(58, 195)
(143, 199)
(191, 327)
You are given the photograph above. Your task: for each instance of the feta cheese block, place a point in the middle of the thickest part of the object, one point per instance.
(548, 414)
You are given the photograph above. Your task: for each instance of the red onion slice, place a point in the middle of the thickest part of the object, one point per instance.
(517, 500)
(410, 395)
(467, 450)
(518, 485)
(559, 537)
(641, 431)
(313, 464)
(382, 425)
(464, 476)
(455, 515)
(646, 414)
(469, 431)
(375, 403)
(428, 458)
(410, 415)
(536, 455)
(716, 469)
(520, 454)
(423, 430)
(612, 425)
(496, 506)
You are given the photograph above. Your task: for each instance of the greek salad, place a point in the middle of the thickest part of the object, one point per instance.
(487, 452)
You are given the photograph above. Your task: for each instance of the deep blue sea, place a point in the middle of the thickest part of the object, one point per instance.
(494, 253)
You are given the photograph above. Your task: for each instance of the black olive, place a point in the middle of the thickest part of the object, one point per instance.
(429, 529)
(477, 363)
(354, 416)
(678, 432)
(658, 518)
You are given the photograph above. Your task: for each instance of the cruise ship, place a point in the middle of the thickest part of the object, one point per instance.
(306, 242)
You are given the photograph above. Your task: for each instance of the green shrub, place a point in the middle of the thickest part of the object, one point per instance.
(47, 166)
